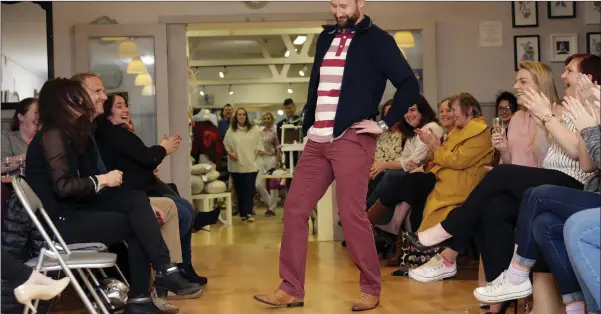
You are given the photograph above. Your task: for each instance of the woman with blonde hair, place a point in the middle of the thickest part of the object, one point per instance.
(266, 161)
(492, 208)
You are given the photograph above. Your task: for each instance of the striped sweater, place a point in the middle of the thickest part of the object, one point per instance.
(557, 159)
(328, 91)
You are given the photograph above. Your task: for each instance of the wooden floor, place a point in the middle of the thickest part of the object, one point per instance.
(242, 260)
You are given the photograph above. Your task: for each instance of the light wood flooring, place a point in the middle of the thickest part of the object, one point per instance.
(242, 260)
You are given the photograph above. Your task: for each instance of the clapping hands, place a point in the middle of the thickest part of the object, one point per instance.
(537, 103)
(428, 137)
(583, 116)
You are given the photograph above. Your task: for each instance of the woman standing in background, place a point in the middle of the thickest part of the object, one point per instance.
(268, 161)
(243, 143)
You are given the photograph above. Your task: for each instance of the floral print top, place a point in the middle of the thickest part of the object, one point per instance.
(389, 146)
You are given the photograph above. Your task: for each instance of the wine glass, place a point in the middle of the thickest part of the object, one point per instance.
(6, 161)
(497, 125)
(21, 162)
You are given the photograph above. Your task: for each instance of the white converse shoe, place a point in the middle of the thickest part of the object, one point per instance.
(433, 270)
(501, 290)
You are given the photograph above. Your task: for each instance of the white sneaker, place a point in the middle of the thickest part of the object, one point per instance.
(501, 290)
(433, 270)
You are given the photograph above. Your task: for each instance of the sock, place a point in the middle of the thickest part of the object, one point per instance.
(433, 236)
(516, 276)
(446, 262)
(575, 308)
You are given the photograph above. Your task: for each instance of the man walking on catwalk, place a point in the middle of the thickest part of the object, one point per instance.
(353, 60)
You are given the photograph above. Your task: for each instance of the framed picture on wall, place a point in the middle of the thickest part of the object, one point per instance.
(562, 46)
(526, 48)
(593, 43)
(524, 14)
(561, 9)
(592, 12)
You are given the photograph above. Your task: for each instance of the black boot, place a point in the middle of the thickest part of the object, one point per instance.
(169, 280)
(189, 274)
(141, 305)
(203, 219)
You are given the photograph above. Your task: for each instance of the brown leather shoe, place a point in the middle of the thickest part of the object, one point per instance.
(280, 298)
(366, 302)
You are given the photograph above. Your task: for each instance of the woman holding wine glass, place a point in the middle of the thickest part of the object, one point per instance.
(24, 126)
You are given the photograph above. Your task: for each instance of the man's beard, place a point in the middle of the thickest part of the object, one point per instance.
(349, 21)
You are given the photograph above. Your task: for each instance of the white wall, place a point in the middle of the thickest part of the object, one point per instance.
(462, 65)
(24, 53)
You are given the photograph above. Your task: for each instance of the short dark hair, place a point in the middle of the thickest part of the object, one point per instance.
(22, 108)
(288, 101)
(587, 64)
(510, 98)
(428, 115)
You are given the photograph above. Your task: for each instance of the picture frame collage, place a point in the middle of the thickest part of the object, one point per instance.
(524, 14)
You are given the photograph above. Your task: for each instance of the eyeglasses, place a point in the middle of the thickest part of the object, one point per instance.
(506, 108)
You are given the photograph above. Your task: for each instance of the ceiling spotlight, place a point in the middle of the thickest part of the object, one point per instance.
(280, 112)
(231, 92)
(290, 91)
(287, 54)
(302, 71)
(299, 40)
(202, 91)
(222, 73)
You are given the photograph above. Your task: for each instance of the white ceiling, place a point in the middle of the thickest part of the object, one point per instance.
(23, 36)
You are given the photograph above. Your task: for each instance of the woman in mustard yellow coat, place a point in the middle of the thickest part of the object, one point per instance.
(458, 164)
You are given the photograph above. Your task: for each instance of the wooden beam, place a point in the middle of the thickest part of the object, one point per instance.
(288, 80)
(293, 59)
(243, 31)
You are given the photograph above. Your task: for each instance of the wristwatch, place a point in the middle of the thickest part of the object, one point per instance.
(548, 117)
(383, 125)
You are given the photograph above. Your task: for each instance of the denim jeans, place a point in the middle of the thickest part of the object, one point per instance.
(543, 212)
(386, 184)
(581, 233)
(186, 214)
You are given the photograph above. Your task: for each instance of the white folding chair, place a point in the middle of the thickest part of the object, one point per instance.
(53, 259)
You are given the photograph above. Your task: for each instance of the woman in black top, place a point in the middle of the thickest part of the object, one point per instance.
(86, 203)
(122, 149)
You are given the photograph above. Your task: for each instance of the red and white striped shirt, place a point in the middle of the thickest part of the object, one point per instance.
(328, 91)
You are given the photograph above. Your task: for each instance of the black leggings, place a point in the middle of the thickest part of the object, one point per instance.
(13, 270)
(121, 215)
(244, 183)
(494, 204)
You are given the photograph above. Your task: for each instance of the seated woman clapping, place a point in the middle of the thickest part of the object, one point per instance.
(85, 202)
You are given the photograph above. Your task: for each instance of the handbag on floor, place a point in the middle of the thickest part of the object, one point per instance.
(412, 258)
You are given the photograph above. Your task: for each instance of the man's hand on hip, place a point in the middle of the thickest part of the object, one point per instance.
(367, 126)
